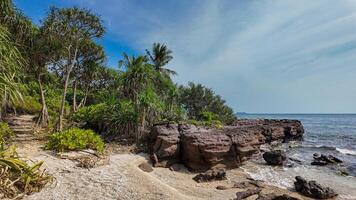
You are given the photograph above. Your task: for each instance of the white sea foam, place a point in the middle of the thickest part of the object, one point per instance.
(346, 151)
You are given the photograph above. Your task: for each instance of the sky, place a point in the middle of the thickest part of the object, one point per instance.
(261, 56)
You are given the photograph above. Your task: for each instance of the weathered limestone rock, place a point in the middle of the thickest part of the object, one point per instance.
(200, 149)
(313, 189)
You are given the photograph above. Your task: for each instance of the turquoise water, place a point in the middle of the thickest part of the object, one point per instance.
(333, 134)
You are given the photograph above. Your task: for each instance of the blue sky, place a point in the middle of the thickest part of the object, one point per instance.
(282, 56)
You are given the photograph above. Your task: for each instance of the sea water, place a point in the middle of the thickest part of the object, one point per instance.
(333, 134)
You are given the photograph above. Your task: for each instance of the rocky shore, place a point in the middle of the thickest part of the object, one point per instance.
(201, 149)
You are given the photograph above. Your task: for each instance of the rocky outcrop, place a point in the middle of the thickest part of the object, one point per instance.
(322, 159)
(276, 157)
(201, 149)
(313, 189)
(247, 193)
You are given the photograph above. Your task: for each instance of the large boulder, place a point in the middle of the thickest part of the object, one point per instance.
(276, 157)
(200, 148)
(313, 189)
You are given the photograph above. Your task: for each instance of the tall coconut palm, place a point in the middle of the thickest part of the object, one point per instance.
(160, 56)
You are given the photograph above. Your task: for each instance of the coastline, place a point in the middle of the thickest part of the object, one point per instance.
(121, 178)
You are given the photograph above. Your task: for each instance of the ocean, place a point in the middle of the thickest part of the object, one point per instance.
(333, 134)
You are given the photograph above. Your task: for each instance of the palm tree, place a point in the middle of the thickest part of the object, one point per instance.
(160, 56)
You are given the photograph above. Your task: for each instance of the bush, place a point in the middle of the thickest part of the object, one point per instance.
(5, 133)
(18, 177)
(29, 105)
(110, 119)
(75, 139)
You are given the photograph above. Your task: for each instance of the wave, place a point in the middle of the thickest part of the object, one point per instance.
(346, 151)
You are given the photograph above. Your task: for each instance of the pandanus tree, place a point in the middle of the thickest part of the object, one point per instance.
(90, 57)
(138, 86)
(10, 63)
(70, 28)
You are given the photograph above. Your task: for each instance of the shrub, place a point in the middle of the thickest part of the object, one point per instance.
(18, 177)
(29, 105)
(5, 133)
(75, 139)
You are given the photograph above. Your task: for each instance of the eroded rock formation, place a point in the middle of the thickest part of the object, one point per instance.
(201, 149)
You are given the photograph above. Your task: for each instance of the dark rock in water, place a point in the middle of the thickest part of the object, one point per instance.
(323, 160)
(276, 157)
(145, 167)
(295, 160)
(201, 149)
(247, 193)
(210, 175)
(273, 196)
(221, 187)
(313, 189)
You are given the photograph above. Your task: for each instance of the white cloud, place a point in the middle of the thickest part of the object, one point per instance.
(262, 56)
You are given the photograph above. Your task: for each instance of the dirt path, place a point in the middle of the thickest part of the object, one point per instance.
(122, 179)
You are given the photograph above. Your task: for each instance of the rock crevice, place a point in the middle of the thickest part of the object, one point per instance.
(200, 148)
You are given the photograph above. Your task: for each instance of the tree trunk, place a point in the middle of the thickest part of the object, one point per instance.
(142, 124)
(84, 100)
(74, 103)
(43, 119)
(67, 75)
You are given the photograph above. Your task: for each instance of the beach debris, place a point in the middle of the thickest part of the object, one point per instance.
(211, 175)
(275, 157)
(322, 159)
(247, 193)
(145, 167)
(313, 189)
(273, 196)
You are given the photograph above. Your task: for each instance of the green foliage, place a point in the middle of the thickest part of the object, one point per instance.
(5, 134)
(197, 99)
(29, 105)
(18, 177)
(207, 119)
(75, 139)
(110, 118)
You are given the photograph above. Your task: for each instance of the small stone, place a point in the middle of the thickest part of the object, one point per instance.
(145, 167)
(221, 187)
(176, 167)
(313, 189)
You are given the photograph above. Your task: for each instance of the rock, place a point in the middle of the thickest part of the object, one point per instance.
(176, 167)
(313, 189)
(323, 160)
(273, 196)
(276, 157)
(201, 149)
(295, 160)
(145, 167)
(248, 184)
(221, 187)
(165, 144)
(210, 175)
(247, 193)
